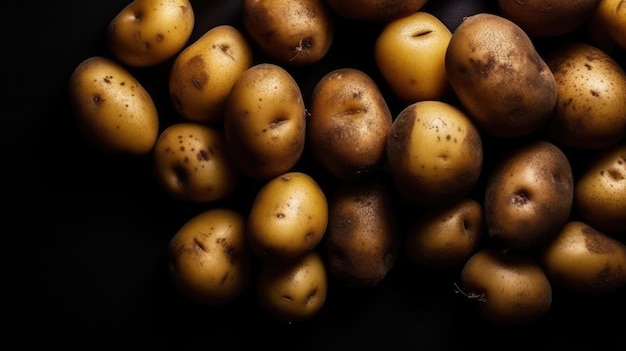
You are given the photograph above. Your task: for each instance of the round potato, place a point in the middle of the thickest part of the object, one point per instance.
(204, 72)
(348, 124)
(375, 10)
(265, 121)
(149, 32)
(288, 217)
(191, 163)
(209, 257)
(608, 23)
(434, 153)
(410, 54)
(113, 110)
(293, 291)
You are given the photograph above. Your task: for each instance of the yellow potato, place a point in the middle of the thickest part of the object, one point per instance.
(410, 54)
(149, 32)
(209, 257)
(202, 75)
(610, 17)
(113, 109)
(191, 163)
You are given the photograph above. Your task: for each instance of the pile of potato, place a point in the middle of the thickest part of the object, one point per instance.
(546, 208)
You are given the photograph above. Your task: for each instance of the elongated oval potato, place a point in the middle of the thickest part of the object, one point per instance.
(149, 32)
(113, 109)
(349, 124)
(202, 75)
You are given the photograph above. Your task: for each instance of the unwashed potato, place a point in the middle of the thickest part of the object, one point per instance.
(375, 10)
(113, 110)
(292, 32)
(209, 257)
(202, 75)
(410, 54)
(191, 163)
(265, 121)
(149, 32)
(584, 260)
(349, 122)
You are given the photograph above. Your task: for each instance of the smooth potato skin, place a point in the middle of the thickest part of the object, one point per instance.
(375, 10)
(584, 260)
(202, 75)
(114, 111)
(349, 123)
(609, 18)
(149, 32)
(209, 257)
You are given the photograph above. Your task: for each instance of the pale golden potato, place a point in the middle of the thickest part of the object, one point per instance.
(265, 121)
(609, 18)
(191, 163)
(202, 75)
(149, 32)
(410, 54)
(375, 10)
(113, 110)
(209, 257)
(434, 153)
(288, 217)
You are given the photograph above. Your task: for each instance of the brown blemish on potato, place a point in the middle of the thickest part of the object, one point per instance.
(594, 242)
(199, 244)
(197, 73)
(520, 198)
(203, 155)
(98, 100)
(159, 38)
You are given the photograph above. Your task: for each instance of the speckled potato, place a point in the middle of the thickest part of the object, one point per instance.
(362, 241)
(590, 107)
(191, 163)
(600, 191)
(293, 291)
(445, 236)
(292, 32)
(113, 110)
(609, 20)
(209, 257)
(434, 153)
(585, 260)
(410, 54)
(499, 77)
(348, 125)
(265, 121)
(528, 195)
(149, 32)
(375, 10)
(507, 288)
(202, 75)
(288, 217)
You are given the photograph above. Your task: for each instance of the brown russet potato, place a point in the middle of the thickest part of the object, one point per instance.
(375, 10)
(528, 195)
(348, 125)
(499, 77)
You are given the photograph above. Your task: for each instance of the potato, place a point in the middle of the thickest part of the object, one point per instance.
(265, 121)
(584, 260)
(410, 54)
(590, 107)
(600, 191)
(499, 77)
(292, 32)
(112, 108)
(374, 10)
(288, 217)
(209, 257)
(507, 288)
(349, 122)
(362, 241)
(202, 75)
(434, 153)
(293, 291)
(541, 18)
(192, 164)
(149, 32)
(445, 237)
(528, 195)
(609, 20)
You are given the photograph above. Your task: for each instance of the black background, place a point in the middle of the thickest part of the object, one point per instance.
(84, 234)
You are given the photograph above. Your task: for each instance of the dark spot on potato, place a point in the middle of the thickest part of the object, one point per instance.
(182, 149)
(594, 93)
(421, 33)
(520, 198)
(609, 277)
(181, 174)
(159, 38)
(202, 155)
(97, 100)
(594, 241)
(280, 215)
(197, 73)
(483, 68)
(198, 243)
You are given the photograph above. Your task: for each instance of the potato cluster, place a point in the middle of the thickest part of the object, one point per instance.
(502, 158)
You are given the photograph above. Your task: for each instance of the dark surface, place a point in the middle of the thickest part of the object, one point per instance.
(84, 263)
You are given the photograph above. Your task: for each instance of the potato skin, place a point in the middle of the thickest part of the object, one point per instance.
(149, 32)
(375, 10)
(609, 20)
(202, 75)
(113, 110)
(349, 123)
(209, 257)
